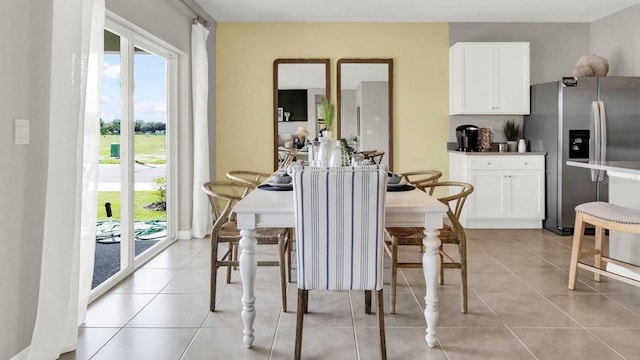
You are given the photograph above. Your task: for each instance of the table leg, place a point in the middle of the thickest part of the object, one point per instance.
(248, 268)
(431, 269)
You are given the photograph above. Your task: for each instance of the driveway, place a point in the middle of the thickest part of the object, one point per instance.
(109, 176)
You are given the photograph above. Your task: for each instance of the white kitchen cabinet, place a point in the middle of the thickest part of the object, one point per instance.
(508, 189)
(489, 78)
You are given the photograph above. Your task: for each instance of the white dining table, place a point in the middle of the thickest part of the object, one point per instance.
(415, 208)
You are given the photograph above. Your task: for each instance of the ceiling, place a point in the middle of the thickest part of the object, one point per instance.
(412, 10)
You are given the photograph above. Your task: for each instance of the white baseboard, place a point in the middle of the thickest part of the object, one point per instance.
(184, 234)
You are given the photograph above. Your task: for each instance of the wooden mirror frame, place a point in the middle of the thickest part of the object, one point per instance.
(389, 62)
(277, 62)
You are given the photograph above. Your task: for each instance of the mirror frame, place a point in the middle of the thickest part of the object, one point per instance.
(277, 62)
(389, 62)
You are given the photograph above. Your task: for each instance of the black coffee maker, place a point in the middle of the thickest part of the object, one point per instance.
(467, 136)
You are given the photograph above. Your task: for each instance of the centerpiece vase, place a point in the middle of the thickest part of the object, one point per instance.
(325, 149)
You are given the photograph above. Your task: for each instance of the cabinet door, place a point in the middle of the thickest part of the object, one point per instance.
(476, 79)
(487, 199)
(511, 67)
(525, 194)
(489, 78)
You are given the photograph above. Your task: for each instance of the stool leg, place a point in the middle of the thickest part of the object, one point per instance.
(576, 248)
(597, 259)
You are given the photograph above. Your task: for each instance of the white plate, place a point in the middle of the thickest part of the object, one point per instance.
(274, 184)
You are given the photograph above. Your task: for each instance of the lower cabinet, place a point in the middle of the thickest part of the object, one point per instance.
(508, 190)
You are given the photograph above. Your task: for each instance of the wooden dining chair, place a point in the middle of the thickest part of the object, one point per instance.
(223, 195)
(247, 177)
(452, 233)
(252, 179)
(339, 227)
(421, 178)
(286, 157)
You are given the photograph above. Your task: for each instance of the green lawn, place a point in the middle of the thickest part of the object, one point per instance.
(149, 149)
(142, 199)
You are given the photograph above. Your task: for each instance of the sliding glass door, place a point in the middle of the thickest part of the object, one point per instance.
(134, 194)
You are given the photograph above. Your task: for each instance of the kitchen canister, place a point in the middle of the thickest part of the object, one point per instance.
(522, 146)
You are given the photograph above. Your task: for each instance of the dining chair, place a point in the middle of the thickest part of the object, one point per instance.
(452, 233)
(247, 177)
(422, 177)
(286, 157)
(252, 179)
(223, 195)
(339, 228)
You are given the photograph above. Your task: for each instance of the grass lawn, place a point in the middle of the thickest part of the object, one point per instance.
(149, 149)
(142, 199)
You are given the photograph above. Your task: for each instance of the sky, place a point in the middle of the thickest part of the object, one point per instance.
(149, 88)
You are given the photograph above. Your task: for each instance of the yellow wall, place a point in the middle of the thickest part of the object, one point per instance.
(244, 104)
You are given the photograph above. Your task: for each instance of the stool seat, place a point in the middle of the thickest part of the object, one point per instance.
(603, 216)
(610, 212)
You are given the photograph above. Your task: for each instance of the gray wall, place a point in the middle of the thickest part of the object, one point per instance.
(24, 94)
(25, 69)
(617, 38)
(555, 47)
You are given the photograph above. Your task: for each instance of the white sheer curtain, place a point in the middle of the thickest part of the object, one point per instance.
(71, 194)
(201, 222)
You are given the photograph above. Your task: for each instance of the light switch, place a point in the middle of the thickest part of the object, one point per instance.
(369, 132)
(21, 132)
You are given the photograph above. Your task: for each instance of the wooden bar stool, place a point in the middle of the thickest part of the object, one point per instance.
(603, 216)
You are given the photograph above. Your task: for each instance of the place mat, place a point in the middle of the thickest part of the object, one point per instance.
(405, 187)
(275, 188)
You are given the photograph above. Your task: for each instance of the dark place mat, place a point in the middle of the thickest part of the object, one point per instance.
(405, 187)
(275, 188)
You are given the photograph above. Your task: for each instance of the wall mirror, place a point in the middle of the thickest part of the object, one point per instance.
(298, 88)
(365, 105)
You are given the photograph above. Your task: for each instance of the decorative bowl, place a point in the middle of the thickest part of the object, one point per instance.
(281, 178)
(394, 178)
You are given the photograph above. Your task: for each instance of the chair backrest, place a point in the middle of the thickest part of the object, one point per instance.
(339, 223)
(223, 195)
(458, 193)
(421, 178)
(286, 156)
(251, 179)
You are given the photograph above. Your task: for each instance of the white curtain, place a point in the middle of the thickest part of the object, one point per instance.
(202, 220)
(71, 194)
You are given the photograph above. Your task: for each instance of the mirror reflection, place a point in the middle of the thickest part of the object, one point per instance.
(365, 106)
(299, 86)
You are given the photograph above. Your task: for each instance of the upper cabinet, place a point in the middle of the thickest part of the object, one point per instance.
(489, 78)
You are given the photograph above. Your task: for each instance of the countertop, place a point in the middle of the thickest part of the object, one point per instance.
(481, 153)
(615, 167)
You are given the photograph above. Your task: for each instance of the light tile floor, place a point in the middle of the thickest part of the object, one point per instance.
(519, 308)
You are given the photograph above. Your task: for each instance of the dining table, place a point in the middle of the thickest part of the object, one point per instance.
(412, 208)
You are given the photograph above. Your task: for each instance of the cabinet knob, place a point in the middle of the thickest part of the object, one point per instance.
(526, 163)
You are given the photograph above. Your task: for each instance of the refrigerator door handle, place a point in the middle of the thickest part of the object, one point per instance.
(595, 106)
(603, 131)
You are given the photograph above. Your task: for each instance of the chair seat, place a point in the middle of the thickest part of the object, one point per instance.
(229, 232)
(610, 212)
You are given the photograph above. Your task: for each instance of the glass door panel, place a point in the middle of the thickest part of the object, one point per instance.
(150, 156)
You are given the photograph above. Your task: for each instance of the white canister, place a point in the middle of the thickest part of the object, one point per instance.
(522, 146)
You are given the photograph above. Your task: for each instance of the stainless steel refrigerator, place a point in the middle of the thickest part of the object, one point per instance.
(581, 119)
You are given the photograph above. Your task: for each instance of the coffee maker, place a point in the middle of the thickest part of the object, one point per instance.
(467, 136)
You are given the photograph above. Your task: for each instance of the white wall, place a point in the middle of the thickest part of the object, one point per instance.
(25, 70)
(25, 28)
(617, 38)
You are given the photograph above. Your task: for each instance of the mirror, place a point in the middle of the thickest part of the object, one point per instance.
(298, 88)
(365, 105)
